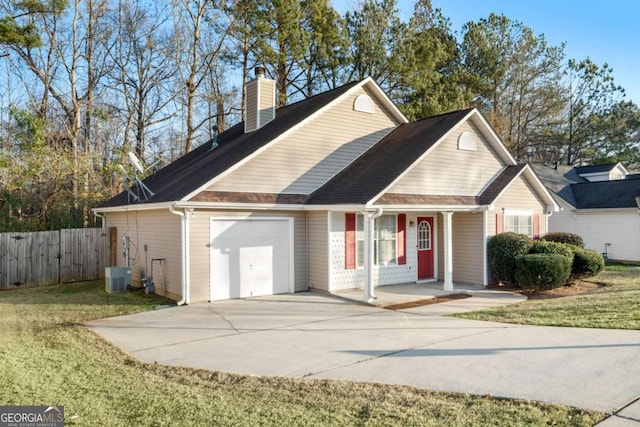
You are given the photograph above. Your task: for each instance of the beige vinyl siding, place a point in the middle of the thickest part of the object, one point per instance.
(468, 251)
(312, 154)
(267, 101)
(200, 227)
(318, 226)
(447, 170)
(160, 230)
(621, 228)
(520, 195)
(251, 120)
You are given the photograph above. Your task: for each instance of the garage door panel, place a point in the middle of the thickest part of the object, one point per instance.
(250, 257)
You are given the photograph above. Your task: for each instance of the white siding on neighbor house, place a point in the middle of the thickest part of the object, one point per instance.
(200, 223)
(448, 170)
(160, 230)
(318, 235)
(314, 153)
(468, 247)
(342, 278)
(621, 228)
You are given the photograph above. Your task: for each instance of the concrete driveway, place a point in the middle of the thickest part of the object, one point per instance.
(318, 336)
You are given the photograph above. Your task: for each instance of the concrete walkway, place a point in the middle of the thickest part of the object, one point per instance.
(319, 336)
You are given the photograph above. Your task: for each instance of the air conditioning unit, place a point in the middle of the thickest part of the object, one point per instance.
(116, 279)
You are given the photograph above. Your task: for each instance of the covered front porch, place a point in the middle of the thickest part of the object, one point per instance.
(436, 247)
(390, 295)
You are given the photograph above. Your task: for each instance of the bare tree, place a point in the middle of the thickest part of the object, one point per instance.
(143, 71)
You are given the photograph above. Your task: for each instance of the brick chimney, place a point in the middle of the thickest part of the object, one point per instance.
(260, 101)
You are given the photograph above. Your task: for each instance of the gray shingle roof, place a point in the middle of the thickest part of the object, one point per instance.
(595, 168)
(606, 194)
(194, 169)
(372, 172)
(582, 194)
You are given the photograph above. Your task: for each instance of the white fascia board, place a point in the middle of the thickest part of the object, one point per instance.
(257, 206)
(385, 100)
(605, 210)
(399, 116)
(419, 159)
(551, 206)
(243, 206)
(136, 207)
(497, 142)
(542, 188)
(432, 208)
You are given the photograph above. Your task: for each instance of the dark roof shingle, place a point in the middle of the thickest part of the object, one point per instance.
(377, 168)
(196, 168)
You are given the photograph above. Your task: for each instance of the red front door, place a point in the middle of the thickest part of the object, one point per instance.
(425, 248)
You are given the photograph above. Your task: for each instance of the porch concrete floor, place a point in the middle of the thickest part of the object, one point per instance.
(408, 292)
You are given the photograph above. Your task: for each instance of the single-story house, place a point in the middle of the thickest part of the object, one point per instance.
(334, 192)
(601, 203)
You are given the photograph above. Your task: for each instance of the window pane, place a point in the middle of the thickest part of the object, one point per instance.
(525, 225)
(424, 235)
(386, 240)
(511, 223)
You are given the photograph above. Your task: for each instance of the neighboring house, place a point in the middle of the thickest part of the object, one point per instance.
(334, 192)
(600, 203)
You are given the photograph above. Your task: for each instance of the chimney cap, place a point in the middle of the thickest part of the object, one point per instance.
(259, 71)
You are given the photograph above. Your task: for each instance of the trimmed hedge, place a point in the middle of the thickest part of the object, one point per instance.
(563, 237)
(550, 247)
(503, 249)
(542, 271)
(586, 263)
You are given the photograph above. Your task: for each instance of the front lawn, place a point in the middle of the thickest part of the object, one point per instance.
(616, 305)
(47, 357)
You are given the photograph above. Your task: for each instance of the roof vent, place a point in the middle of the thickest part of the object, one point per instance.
(260, 101)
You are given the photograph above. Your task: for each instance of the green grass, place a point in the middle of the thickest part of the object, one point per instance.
(47, 357)
(614, 306)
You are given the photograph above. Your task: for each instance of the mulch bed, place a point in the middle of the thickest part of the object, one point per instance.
(563, 291)
(428, 301)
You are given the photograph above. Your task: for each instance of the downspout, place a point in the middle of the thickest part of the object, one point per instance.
(102, 218)
(369, 229)
(183, 251)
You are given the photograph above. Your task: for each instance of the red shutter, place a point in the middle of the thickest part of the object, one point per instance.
(350, 240)
(536, 226)
(499, 223)
(402, 239)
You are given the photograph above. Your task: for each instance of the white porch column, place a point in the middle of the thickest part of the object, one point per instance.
(369, 228)
(448, 252)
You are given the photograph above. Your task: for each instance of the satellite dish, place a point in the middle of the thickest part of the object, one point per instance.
(135, 161)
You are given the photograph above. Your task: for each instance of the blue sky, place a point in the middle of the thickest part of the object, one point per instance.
(603, 30)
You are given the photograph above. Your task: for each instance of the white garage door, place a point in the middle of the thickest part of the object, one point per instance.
(251, 257)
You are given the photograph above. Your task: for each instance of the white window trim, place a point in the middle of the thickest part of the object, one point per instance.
(359, 262)
(514, 212)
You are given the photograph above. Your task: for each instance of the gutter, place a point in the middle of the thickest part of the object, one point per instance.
(184, 259)
(101, 216)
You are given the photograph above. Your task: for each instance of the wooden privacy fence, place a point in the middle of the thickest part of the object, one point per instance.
(49, 257)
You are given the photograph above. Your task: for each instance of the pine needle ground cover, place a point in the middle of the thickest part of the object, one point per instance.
(48, 357)
(615, 305)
